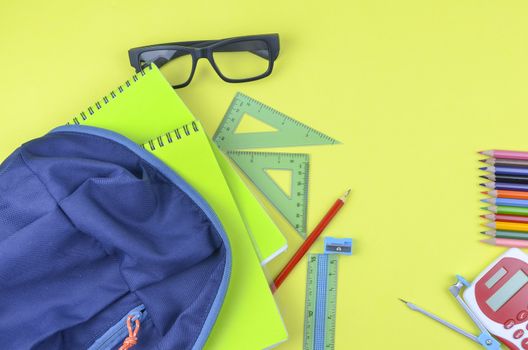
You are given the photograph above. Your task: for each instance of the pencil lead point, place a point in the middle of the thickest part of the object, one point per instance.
(484, 192)
(344, 197)
(403, 301)
(483, 160)
(483, 168)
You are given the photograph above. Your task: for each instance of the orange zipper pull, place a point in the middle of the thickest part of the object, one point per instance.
(132, 339)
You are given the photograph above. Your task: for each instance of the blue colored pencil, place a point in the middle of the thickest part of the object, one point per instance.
(505, 186)
(506, 170)
(506, 202)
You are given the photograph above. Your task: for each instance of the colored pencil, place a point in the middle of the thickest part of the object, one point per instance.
(506, 178)
(504, 242)
(508, 226)
(506, 154)
(507, 194)
(506, 170)
(309, 241)
(506, 234)
(508, 218)
(507, 210)
(505, 186)
(505, 162)
(506, 202)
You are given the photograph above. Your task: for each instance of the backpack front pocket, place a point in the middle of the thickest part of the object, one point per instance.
(117, 333)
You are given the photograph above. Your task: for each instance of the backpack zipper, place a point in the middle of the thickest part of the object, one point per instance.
(117, 333)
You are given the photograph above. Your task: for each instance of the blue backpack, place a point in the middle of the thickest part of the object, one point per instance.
(103, 246)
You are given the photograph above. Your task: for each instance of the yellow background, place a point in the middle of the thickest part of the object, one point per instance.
(412, 88)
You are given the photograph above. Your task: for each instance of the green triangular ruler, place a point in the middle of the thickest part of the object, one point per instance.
(286, 132)
(292, 205)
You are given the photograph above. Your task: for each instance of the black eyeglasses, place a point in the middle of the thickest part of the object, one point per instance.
(235, 60)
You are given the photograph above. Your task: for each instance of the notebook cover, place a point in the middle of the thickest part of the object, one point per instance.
(149, 107)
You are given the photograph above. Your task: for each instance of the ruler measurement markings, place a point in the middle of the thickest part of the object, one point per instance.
(290, 132)
(320, 310)
(293, 207)
(319, 324)
(311, 290)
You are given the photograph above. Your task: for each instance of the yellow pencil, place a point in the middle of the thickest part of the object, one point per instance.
(508, 226)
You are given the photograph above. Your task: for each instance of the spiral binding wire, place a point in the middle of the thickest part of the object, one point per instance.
(170, 137)
(108, 98)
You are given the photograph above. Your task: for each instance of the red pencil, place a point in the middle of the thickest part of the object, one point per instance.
(504, 217)
(309, 241)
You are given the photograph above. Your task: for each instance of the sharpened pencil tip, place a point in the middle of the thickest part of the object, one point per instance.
(484, 192)
(483, 168)
(403, 301)
(344, 197)
(483, 160)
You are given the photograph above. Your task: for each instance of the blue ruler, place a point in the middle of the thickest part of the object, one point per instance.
(320, 304)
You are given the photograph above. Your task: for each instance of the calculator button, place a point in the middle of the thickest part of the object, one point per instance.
(523, 315)
(518, 334)
(525, 344)
(509, 324)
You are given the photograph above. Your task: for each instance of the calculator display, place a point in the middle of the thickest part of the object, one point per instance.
(503, 291)
(508, 290)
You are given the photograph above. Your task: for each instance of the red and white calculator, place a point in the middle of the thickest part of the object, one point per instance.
(499, 298)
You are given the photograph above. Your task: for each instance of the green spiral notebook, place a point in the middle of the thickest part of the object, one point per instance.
(249, 318)
(146, 110)
(145, 107)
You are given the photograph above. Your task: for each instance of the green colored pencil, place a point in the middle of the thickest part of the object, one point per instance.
(507, 210)
(506, 234)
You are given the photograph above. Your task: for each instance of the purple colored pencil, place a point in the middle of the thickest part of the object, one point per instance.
(505, 186)
(505, 170)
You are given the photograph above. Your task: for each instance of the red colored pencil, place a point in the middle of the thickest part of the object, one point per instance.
(309, 241)
(507, 218)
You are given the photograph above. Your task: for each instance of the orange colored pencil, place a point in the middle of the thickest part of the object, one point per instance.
(507, 194)
(508, 226)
